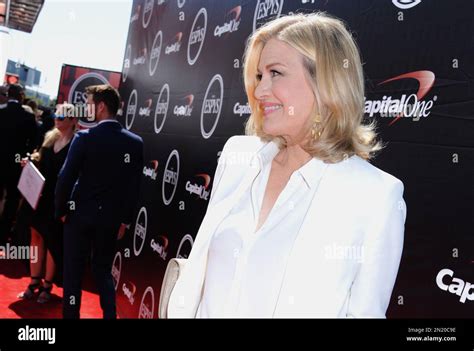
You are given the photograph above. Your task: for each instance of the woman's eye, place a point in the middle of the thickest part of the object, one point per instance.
(274, 73)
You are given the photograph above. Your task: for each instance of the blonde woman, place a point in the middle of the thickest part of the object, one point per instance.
(299, 223)
(46, 232)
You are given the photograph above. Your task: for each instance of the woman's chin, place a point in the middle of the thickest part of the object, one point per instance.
(270, 130)
(271, 134)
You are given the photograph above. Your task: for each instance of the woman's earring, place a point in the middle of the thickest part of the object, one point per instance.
(315, 131)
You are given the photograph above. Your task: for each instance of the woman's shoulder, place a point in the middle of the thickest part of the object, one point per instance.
(367, 177)
(240, 150)
(375, 172)
(243, 143)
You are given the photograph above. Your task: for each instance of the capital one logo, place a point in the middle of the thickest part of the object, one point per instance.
(160, 246)
(409, 106)
(136, 14)
(200, 190)
(141, 58)
(175, 45)
(170, 177)
(147, 12)
(151, 171)
(186, 109)
(405, 4)
(155, 53)
(147, 305)
(140, 231)
(146, 110)
(185, 246)
(129, 292)
(131, 109)
(126, 63)
(457, 286)
(212, 106)
(266, 10)
(197, 36)
(232, 24)
(241, 110)
(161, 108)
(116, 269)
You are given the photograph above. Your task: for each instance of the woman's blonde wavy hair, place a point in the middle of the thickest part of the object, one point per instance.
(53, 135)
(332, 61)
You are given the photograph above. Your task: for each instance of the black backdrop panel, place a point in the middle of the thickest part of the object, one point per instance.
(182, 91)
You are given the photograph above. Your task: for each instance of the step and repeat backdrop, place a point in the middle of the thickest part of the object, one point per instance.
(182, 92)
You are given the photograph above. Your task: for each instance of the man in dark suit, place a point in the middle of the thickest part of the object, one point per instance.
(97, 191)
(17, 138)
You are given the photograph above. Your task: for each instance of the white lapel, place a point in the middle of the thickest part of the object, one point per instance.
(316, 284)
(303, 240)
(188, 288)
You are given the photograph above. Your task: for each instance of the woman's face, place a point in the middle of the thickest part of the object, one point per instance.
(283, 92)
(64, 124)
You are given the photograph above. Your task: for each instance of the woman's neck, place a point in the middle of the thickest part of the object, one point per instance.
(292, 157)
(66, 135)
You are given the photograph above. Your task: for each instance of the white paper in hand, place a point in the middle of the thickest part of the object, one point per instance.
(31, 184)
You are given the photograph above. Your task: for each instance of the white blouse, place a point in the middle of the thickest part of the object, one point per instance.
(245, 268)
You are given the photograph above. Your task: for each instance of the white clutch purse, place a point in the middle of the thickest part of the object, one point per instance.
(173, 270)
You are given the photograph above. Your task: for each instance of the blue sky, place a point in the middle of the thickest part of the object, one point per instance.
(84, 33)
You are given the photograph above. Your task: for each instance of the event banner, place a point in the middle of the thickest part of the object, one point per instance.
(182, 92)
(74, 81)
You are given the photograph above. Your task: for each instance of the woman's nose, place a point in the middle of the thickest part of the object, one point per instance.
(262, 90)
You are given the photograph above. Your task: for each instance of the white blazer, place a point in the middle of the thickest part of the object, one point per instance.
(356, 206)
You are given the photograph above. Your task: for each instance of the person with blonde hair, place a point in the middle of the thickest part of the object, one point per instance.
(46, 231)
(299, 223)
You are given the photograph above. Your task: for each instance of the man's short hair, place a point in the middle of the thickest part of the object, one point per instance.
(15, 91)
(107, 94)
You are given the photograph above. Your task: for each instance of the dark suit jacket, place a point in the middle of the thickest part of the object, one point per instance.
(101, 175)
(17, 135)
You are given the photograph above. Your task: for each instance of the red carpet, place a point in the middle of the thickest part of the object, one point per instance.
(14, 279)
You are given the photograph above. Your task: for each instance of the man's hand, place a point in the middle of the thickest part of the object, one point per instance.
(122, 229)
